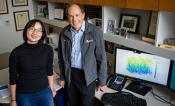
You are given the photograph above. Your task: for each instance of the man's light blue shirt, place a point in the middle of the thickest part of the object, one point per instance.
(76, 59)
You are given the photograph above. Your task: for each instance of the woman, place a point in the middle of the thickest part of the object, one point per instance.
(30, 68)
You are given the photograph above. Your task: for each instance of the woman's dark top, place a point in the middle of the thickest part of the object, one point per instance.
(29, 66)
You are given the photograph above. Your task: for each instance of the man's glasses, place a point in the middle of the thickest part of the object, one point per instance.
(38, 31)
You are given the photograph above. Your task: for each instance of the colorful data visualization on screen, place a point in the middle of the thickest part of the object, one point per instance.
(142, 66)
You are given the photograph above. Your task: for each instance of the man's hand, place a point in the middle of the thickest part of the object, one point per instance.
(61, 83)
(102, 88)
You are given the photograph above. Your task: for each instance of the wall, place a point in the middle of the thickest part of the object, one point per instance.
(9, 37)
(165, 27)
(4, 60)
(4, 76)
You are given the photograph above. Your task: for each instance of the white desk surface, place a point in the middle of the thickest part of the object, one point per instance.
(5, 100)
(151, 100)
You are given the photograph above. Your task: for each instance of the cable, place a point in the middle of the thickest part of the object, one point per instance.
(171, 99)
(161, 98)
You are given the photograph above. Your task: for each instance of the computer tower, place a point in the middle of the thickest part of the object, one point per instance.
(172, 80)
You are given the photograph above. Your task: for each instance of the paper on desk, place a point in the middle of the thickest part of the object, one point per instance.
(4, 91)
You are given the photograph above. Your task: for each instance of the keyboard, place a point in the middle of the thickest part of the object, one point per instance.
(122, 99)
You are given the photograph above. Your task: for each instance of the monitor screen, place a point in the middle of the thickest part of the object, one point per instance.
(142, 66)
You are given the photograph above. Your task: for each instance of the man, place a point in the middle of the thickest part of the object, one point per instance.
(82, 58)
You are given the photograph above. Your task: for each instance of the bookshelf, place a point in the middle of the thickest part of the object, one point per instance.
(165, 28)
(57, 23)
(140, 45)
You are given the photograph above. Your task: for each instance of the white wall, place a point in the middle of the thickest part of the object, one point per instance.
(9, 37)
(165, 27)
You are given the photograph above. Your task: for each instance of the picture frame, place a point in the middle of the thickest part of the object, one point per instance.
(3, 7)
(111, 25)
(109, 47)
(129, 22)
(21, 18)
(16, 3)
(59, 13)
(40, 10)
(152, 26)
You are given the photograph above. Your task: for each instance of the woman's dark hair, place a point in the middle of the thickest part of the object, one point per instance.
(32, 23)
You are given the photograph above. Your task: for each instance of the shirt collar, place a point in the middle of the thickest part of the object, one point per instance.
(82, 29)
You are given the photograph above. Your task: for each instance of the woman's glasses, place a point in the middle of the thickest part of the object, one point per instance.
(38, 31)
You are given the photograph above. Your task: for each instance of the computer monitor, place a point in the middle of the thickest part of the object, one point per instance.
(172, 79)
(142, 67)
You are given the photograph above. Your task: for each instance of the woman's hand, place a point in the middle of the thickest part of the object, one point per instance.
(13, 103)
(53, 92)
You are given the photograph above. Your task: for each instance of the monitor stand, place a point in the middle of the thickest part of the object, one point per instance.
(138, 87)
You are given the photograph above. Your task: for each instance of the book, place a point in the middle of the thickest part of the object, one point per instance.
(167, 46)
(3, 86)
(147, 39)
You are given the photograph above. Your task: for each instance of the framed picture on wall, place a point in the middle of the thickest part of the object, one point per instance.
(59, 13)
(3, 7)
(21, 18)
(129, 22)
(16, 3)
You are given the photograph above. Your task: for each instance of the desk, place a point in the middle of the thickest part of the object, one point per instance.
(4, 79)
(5, 100)
(151, 100)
